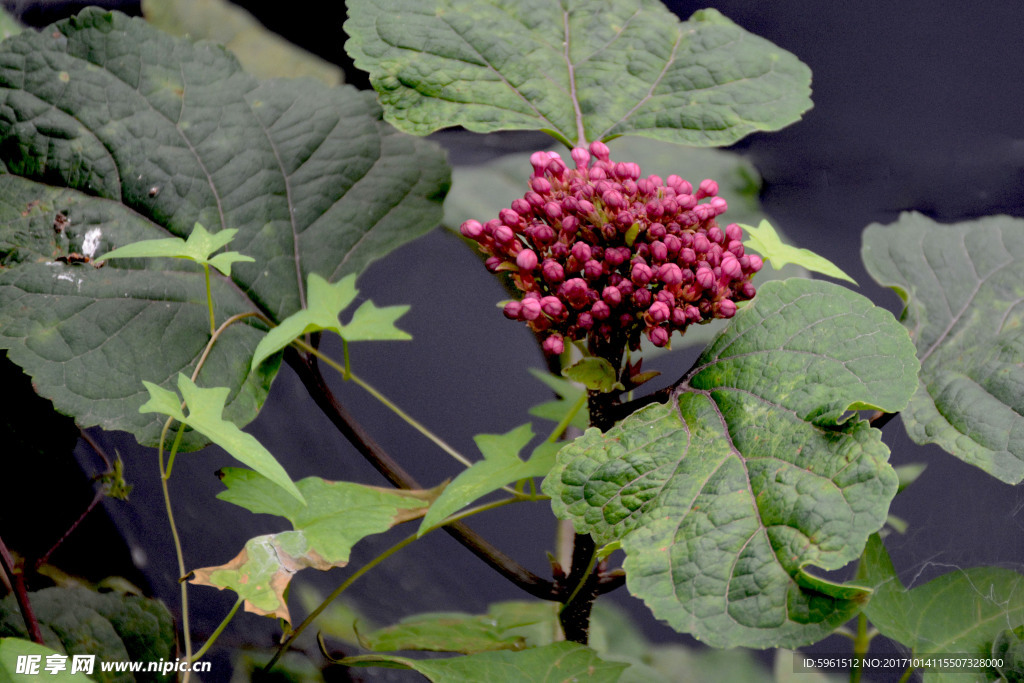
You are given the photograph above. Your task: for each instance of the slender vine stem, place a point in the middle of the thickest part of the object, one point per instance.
(347, 374)
(216, 633)
(408, 540)
(165, 474)
(382, 461)
(209, 298)
(861, 643)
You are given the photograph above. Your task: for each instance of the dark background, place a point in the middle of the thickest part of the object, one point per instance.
(917, 106)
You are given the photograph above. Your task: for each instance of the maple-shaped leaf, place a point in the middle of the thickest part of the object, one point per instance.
(766, 241)
(205, 415)
(199, 247)
(326, 302)
(501, 465)
(338, 516)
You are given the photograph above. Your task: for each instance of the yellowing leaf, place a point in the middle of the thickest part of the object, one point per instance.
(338, 516)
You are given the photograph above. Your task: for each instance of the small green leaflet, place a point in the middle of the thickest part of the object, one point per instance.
(501, 465)
(198, 247)
(549, 664)
(962, 287)
(730, 498)
(963, 612)
(569, 394)
(338, 516)
(326, 302)
(205, 409)
(594, 373)
(765, 241)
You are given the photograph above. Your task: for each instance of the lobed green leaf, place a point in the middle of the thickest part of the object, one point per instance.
(962, 288)
(116, 133)
(581, 70)
(766, 241)
(205, 415)
(727, 498)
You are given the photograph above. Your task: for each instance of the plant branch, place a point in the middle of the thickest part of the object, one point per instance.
(17, 578)
(97, 497)
(396, 474)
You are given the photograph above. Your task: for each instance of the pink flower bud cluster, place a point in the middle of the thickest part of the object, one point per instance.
(600, 252)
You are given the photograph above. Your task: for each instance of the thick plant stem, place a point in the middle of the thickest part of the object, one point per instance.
(394, 473)
(17, 579)
(575, 613)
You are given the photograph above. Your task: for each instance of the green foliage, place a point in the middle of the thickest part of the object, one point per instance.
(965, 612)
(766, 241)
(581, 70)
(326, 302)
(311, 178)
(962, 288)
(205, 409)
(338, 515)
(263, 54)
(112, 626)
(199, 248)
(501, 465)
(595, 374)
(752, 475)
(548, 664)
(12, 648)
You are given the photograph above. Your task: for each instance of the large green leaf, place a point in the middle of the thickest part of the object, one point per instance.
(583, 70)
(553, 663)
(963, 288)
(262, 52)
(112, 132)
(957, 614)
(726, 497)
(111, 626)
(16, 653)
(338, 515)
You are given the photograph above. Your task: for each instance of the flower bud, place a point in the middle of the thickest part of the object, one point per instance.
(705, 277)
(726, 308)
(707, 188)
(642, 298)
(574, 292)
(553, 345)
(526, 259)
(553, 210)
(534, 199)
(552, 306)
(531, 309)
(701, 244)
(493, 262)
(670, 274)
(715, 234)
(755, 262)
(731, 267)
(521, 206)
(734, 232)
(687, 257)
(736, 248)
(581, 252)
(544, 235)
(657, 231)
(592, 269)
(658, 251)
(599, 150)
(569, 225)
(659, 312)
(641, 274)
(747, 291)
(513, 310)
(585, 320)
(552, 271)
(509, 217)
(541, 185)
(659, 336)
(719, 206)
(540, 162)
(600, 310)
(472, 229)
(611, 296)
(580, 156)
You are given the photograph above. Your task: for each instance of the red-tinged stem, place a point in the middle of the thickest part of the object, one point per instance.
(17, 578)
